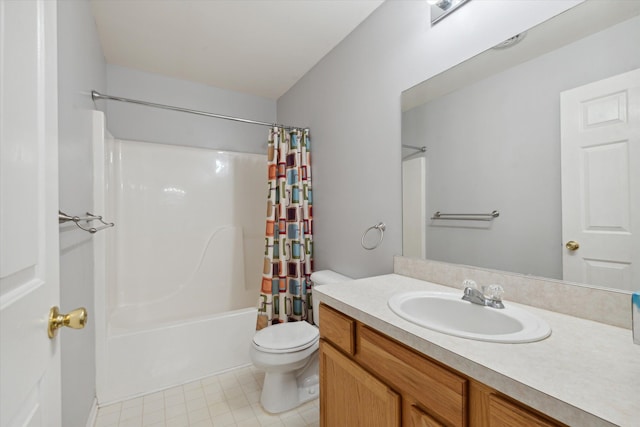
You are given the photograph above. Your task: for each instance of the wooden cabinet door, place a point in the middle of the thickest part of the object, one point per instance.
(350, 396)
(418, 418)
(489, 409)
(503, 413)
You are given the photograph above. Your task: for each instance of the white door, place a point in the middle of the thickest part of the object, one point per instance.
(29, 360)
(414, 208)
(600, 127)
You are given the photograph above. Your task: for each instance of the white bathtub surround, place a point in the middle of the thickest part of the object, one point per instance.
(584, 374)
(189, 232)
(153, 359)
(229, 399)
(177, 277)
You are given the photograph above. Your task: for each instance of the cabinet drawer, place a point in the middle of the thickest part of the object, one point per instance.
(338, 328)
(441, 392)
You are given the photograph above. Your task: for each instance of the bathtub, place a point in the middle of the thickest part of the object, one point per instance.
(178, 277)
(148, 360)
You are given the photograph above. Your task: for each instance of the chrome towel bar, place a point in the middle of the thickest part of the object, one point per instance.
(467, 217)
(63, 217)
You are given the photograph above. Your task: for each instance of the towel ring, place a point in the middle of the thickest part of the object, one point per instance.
(380, 227)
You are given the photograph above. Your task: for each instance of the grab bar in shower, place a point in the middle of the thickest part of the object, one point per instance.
(467, 217)
(63, 217)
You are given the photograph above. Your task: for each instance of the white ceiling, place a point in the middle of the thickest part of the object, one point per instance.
(260, 47)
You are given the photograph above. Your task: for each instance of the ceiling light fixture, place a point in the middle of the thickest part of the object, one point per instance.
(510, 41)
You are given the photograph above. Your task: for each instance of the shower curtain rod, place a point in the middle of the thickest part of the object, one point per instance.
(97, 95)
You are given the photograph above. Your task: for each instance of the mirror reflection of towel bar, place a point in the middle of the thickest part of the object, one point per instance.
(467, 217)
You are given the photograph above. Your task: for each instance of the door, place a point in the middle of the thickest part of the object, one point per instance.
(29, 360)
(350, 396)
(418, 418)
(414, 207)
(600, 128)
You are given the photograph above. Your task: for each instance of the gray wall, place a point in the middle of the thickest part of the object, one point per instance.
(506, 156)
(81, 67)
(351, 102)
(141, 123)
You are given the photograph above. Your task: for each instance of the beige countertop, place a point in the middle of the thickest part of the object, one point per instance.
(585, 374)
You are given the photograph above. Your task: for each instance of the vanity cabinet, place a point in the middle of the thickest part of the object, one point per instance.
(369, 379)
(352, 396)
(490, 408)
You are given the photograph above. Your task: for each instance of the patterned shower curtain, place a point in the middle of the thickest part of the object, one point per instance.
(285, 294)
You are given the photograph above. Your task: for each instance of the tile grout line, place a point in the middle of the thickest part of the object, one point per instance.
(227, 399)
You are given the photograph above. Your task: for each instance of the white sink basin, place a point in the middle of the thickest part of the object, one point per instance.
(448, 313)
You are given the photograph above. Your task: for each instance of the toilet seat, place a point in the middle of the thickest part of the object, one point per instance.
(286, 337)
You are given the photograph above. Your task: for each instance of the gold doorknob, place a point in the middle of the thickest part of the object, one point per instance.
(572, 245)
(75, 319)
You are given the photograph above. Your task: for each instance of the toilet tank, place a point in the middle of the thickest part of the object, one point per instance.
(324, 277)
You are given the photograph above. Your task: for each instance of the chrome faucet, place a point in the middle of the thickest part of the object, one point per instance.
(489, 296)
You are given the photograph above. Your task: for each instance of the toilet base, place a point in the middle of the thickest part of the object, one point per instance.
(283, 391)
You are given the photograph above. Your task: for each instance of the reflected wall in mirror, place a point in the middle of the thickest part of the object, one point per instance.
(492, 128)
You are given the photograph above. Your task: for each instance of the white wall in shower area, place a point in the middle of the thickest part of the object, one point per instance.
(190, 235)
(181, 268)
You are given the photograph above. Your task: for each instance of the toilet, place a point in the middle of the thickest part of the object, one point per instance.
(288, 354)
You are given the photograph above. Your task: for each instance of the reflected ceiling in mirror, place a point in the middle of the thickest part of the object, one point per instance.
(492, 130)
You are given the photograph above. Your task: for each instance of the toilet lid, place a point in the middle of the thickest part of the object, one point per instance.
(286, 337)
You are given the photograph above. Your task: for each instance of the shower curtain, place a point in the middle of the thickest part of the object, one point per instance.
(285, 293)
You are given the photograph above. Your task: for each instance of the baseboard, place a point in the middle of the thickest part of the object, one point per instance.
(93, 413)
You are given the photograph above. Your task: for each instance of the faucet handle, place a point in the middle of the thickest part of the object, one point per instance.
(493, 292)
(468, 283)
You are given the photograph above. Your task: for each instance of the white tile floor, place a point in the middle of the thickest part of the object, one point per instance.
(230, 399)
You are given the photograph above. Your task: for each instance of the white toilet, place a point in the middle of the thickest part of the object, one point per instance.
(288, 353)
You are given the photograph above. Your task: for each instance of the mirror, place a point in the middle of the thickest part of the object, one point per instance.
(492, 131)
